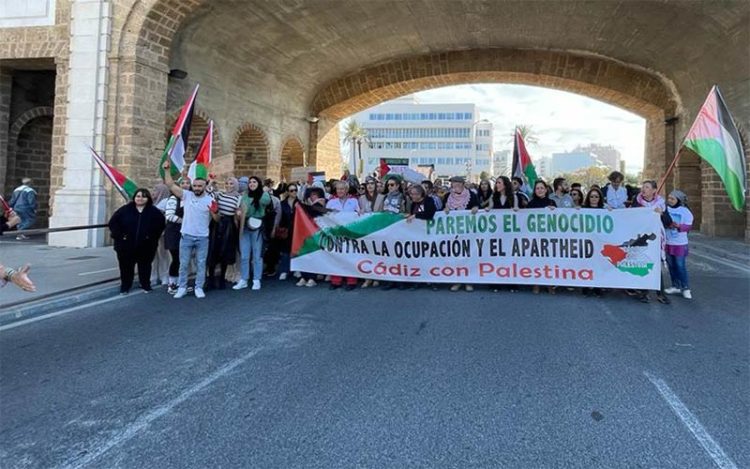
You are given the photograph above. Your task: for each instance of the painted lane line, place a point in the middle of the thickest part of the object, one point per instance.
(691, 422)
(60, 313)
(97, 271)
(146, 419)
(734, 265)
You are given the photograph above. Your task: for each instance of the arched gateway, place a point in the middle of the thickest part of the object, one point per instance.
(296, 68)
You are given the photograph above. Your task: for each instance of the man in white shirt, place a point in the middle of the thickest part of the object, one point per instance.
(199, 207)
(615, 194)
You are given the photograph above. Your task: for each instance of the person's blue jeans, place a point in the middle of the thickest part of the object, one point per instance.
(284, 263)
(251, 246)
(187, 245)
(27, 219)
(678, 271)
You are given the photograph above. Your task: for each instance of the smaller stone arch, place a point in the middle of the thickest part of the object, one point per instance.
(292, 156)
(251, 151)
(30, 155)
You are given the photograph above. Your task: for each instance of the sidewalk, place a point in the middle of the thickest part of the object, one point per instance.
(54, 270)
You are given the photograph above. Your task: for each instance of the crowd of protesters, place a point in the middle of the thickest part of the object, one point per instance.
(243, 233)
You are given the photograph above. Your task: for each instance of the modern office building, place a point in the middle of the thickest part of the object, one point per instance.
(502, 163)
(450, 137)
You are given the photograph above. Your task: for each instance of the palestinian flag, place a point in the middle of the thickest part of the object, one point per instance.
(522, 164)
(715, 138)
(178, 140)
(202, 162)
(311, 227)
(125, 186)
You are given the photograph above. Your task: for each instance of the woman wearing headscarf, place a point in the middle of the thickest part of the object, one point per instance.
(160, 266)
(676, 249)
(460, 198)
(136, 228)
(223, 238)
(251, 213)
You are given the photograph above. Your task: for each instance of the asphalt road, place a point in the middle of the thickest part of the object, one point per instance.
(306, 378)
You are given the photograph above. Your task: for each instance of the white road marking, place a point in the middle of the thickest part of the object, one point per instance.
(691, 422)
(60, 313)
(98, 271)
(734, 265)
(145, 420)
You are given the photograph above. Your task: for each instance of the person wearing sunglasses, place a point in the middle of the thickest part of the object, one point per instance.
(393, 201)
(285, 230)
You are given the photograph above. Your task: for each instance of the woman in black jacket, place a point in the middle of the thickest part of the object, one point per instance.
(136, 228)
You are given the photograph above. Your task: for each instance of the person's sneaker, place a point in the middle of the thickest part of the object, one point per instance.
(375, 284)
(172, 288)
(535, 290)
(366, 283)
(469, 288)
(311, 283)
(672, 290)
(124, 293)
(301, 282)
(256, 285)
(21, 237)
(240, 285)
(199, 293)
(282, 276)
(686, 294)
(180, 293)
(297, 274)
(455, 287)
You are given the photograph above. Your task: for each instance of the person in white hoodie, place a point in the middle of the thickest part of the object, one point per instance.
(676, 249)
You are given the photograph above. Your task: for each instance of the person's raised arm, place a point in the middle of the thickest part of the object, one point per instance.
(176, 189)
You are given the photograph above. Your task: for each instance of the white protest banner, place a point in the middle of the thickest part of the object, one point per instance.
(562, 247)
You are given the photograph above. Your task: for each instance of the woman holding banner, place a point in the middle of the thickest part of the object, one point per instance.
(504, 196)
(393, 201)
(648, 197)
(541, 199)
(342, 202)
(460, 198)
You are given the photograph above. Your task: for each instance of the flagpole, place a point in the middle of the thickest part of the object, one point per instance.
(663, 179)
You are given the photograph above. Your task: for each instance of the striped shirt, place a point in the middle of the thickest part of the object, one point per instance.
(228, 204)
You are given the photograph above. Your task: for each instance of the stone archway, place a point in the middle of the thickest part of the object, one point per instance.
(257, 84)
(292, 156)
(251, 152)
(30, 155)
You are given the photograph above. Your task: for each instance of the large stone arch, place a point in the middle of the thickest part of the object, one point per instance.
(30, 155)
(252, 151)
(144, 41)
(292, 156)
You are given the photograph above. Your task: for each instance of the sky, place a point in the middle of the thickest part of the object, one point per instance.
(560, 120)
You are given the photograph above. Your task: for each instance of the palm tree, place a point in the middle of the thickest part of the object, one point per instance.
(528, 133)
(356, 135)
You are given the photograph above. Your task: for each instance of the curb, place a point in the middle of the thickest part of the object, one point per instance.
(43, 306)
